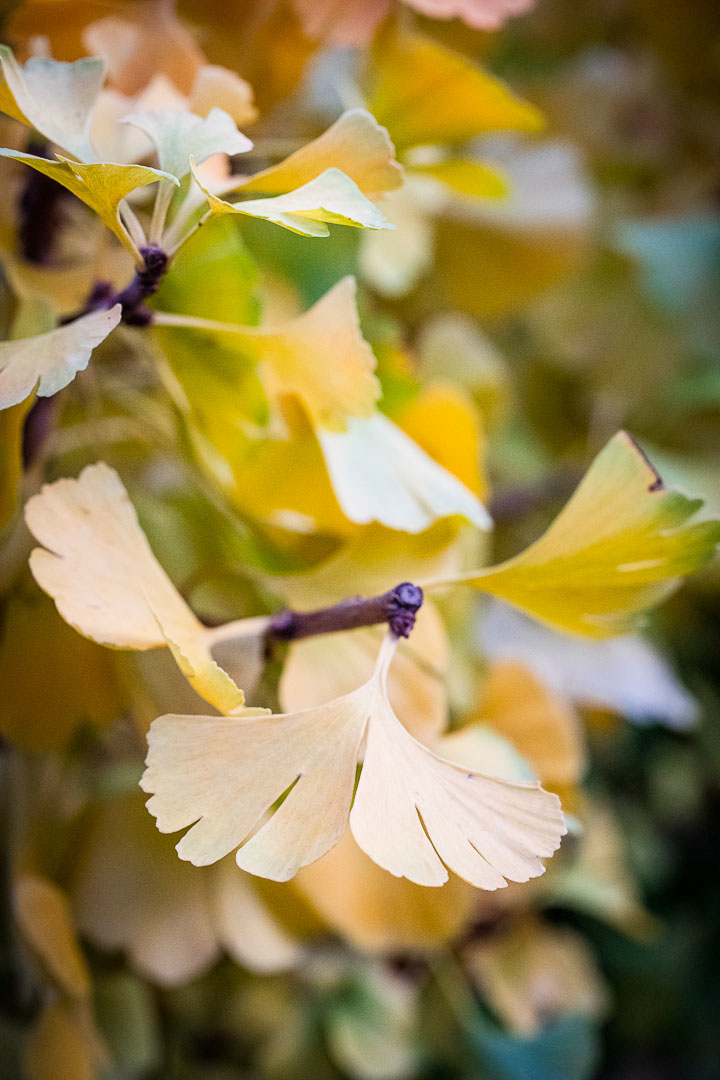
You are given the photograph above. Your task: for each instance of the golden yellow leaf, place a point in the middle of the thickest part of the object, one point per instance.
(541, 725)
(443, 420)
(425, 94)
(621, 545)
(101, 572)
(374, 910)
(470, 178)
(355, 143)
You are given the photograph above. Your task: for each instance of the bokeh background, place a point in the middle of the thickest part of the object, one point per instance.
(584, 301)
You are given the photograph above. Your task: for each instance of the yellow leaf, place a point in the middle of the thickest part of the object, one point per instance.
(484, 829)
(541, 725)
(466, 177)
(179, 136)
(106, 582)
(217, 87)
(332, 197)
(620, 546)
(44, 919)
(374, 910)
(444, 422)
(48, 362)
(102, 187)
(322, 357)
(425, 94)
(355, 143)
(53, 97)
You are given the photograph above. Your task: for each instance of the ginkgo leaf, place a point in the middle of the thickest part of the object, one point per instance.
(179, 136)
(43, 916)
(48, 362)
(379, 474)
(620, 546)
(355, 143)
(225, 774)
(425, 94)
(52, 96)
(217, 87)
(416, 813)
(105, 581)
(319, 356)
(102, 187)
(374, 910)
(332, 197)
(222, 776)
(322, 357)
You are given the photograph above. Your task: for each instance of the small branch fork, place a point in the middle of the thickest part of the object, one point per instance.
(132, 298)
(398, 608)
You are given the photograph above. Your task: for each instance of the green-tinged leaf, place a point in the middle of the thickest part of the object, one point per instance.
(331, 198)
(53, 97)
(180, 136)
(48, 362)
(619, 547)
(102, 187)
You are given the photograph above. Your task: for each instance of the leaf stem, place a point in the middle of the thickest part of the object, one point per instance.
(163, 198)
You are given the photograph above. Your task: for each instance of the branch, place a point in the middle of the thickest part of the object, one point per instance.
(398, 608)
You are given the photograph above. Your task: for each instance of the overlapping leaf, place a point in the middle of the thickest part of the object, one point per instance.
(100, 570)
(53, 97)
(101, 186)
(620, 546)
(330, 198)
(48, 362)
(223, 776)
(179, 136)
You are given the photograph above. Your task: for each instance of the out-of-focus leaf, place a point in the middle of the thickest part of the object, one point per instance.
(53, 97)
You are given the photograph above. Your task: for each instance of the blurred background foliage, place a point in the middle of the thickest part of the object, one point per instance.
(584, 301)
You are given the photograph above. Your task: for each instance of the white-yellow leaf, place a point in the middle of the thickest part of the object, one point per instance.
(48, 362)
